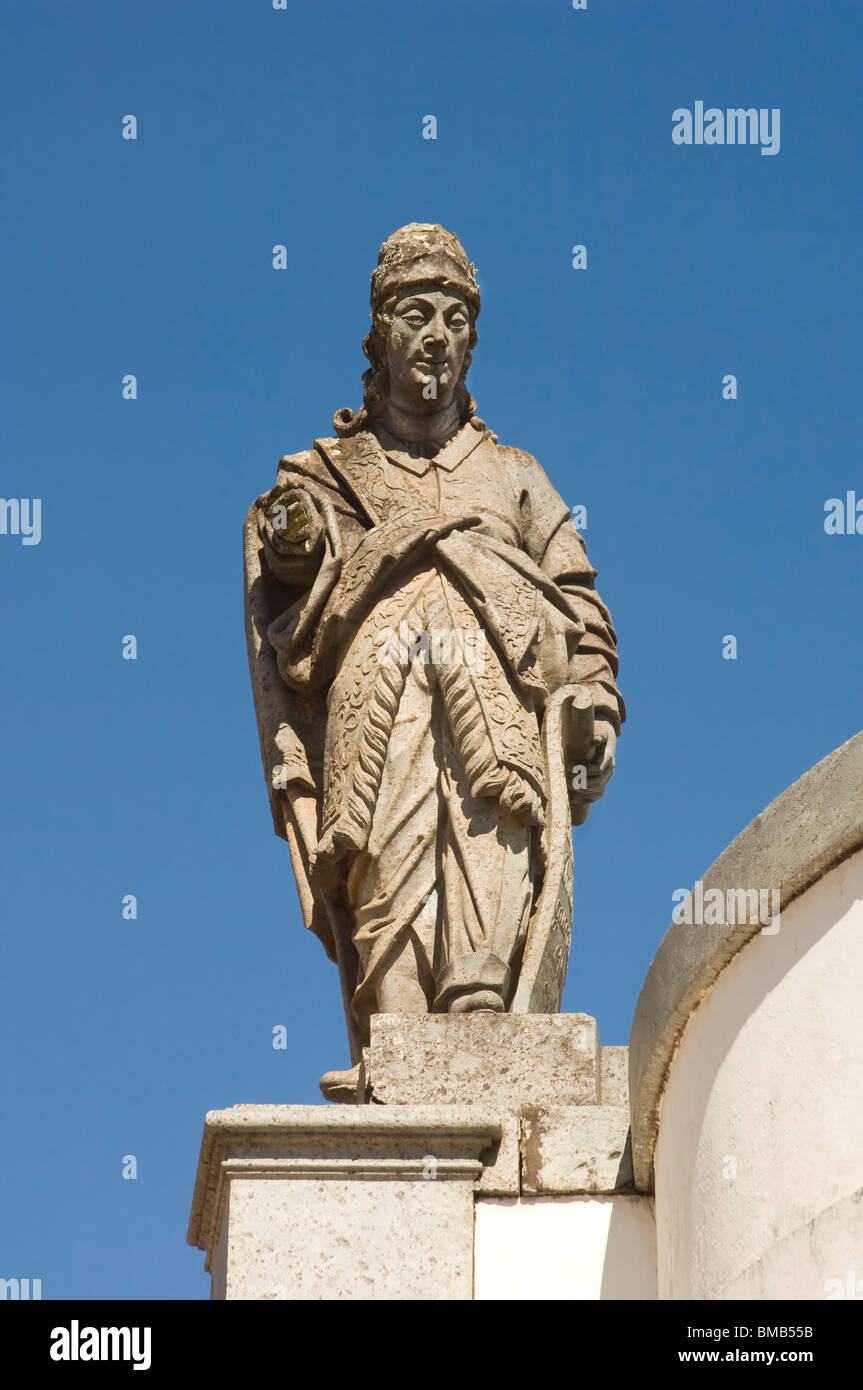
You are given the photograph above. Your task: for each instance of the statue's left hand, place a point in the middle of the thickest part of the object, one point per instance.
(600, 766)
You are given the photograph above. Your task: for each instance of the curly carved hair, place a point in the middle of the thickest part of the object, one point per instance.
(376, 377)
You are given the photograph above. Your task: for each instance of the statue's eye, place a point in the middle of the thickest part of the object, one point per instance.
(415, 319)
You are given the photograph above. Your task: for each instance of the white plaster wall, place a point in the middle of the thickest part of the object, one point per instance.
(565, 1248)
(767, 1084)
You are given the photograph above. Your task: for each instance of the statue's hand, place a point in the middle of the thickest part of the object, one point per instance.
(291, 521)
(600, 765)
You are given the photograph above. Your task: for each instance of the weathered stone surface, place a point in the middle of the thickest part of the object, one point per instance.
(614, 1075)
(575, 1149)
(499, 1061)
(313, 1202)
(349, 1239)
(501, 1164)
(434, 676)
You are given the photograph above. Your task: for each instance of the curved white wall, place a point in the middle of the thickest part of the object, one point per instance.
(759, 1156)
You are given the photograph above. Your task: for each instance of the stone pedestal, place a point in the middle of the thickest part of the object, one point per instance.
(314, 1202)
(491, 1159)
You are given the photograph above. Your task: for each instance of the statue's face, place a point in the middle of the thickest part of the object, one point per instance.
(425, 348)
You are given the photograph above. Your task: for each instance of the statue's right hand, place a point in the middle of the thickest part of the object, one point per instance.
(291, 520)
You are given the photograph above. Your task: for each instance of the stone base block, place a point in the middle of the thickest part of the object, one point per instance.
(502, 1060)
(576, 1149)
(614, 1076)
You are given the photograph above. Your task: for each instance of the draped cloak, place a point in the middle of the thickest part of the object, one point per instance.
(472, 542)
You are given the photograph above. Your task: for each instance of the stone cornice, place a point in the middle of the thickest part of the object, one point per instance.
(319, 1141)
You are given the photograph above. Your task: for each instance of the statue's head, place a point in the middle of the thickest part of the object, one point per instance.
(425, 301)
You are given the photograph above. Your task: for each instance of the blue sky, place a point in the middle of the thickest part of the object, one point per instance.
(705, 516)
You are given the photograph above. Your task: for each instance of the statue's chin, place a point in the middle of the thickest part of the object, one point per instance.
(419, 380)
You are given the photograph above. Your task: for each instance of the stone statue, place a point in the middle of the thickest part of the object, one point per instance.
(433, 672)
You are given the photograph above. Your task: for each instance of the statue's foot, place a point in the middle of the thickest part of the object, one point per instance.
(476, 1001)
(341, 1086)
(475, 983)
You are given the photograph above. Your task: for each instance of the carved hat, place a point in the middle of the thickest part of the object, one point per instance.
(423, 253)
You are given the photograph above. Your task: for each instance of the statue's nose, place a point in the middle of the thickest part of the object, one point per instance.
(435, 335)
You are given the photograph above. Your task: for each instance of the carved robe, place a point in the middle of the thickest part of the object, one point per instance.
(401, 671)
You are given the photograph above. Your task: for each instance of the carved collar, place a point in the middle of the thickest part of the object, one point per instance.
(454, 452)
(359, 462)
